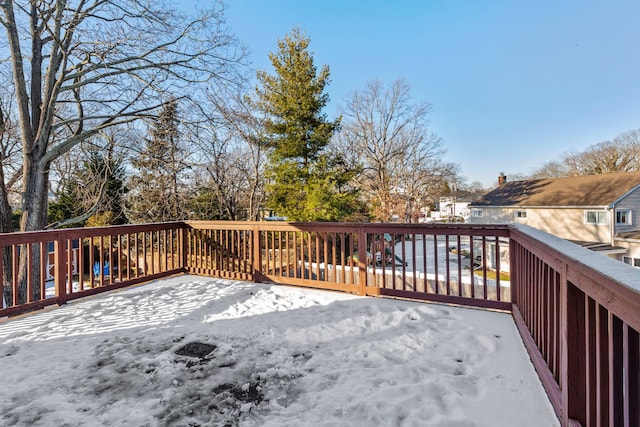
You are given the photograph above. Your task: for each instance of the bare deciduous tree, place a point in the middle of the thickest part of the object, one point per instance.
(622, 154)
(235, 156)
(552, 169)
(10, 156)
(96, 64)
(388, 137)
(81, 66)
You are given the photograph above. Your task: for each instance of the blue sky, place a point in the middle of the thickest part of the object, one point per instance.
(513, 84)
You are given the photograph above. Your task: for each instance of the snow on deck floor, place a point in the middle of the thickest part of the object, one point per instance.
(193, 351)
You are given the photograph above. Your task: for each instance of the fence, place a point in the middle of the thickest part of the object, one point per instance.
(579, 324)
(456, 264)
(52, 267)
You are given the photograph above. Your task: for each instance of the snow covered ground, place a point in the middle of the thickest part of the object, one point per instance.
(193, 351)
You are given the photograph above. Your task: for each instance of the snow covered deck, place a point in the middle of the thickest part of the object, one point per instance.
(198, 351)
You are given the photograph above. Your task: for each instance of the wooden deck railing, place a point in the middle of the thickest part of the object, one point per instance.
(579, 315)
(456, 264)
(578, 321)
(52, 267)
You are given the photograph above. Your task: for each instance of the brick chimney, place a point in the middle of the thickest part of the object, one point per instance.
(502, 179)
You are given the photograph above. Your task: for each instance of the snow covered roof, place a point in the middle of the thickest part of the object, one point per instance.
(577, 191)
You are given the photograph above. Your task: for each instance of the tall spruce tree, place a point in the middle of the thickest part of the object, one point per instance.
(305, 182)
(157, 192)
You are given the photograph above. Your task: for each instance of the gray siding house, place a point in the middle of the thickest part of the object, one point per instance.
(600, 212)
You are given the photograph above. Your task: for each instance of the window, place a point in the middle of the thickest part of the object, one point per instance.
(520, 214)
(635, 262)
(623, 217)
(477, 213)
(596, 217)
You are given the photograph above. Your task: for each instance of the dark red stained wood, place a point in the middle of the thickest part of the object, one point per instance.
(499, 296)
(14, 257)
(484, 266)
(591, 365)
(43, 268)
(625, 380)
(459, 253)
(540, 364)
(616, 408)
(29, 249)
(449, 299)
(472, 267)
(435, 265)
(634, 378)
(447, 263)
(602, 365)
(576, 349)
(413, 263)
(580, 326)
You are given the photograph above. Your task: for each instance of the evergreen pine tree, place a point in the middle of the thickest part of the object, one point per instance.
(111, 171)
(157, 192)
(67, 205)
(96, 188)
(305, 182)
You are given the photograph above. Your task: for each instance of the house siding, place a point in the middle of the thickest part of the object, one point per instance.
(633, 249)
(492, 215)
(567, 223)
(632, 202)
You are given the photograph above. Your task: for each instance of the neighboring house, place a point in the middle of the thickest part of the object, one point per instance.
(455, 205)
(600, 212)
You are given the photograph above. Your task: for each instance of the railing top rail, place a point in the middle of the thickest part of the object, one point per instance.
(75, 233)
(426, 228)
(611, 283)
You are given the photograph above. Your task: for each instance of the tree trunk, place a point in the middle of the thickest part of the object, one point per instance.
(6, 226)
(35, 202)
(34, 218)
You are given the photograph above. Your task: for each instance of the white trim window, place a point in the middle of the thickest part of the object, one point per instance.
(477, 213)
(519, 214)
(596, 217)
(623, 217)
(634, 262)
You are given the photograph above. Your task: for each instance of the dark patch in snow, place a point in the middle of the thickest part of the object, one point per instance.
(249, 393)
(206, 381)
(10, 351)
(196, 349)
(301, 356)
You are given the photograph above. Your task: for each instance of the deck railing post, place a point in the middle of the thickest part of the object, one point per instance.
(2, 278)
(564, 358)
(576, 352)
(362, 261)
(60, 270)
(514, 271)
(256, 255)
(182, 245)
(572, 348)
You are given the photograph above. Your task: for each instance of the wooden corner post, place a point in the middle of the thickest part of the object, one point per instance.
(256, 254)
(60, 270)
(362, 261)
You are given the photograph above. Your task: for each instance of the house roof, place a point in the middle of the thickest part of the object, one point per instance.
(590, 190)
(604, 248)
(629, 235)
